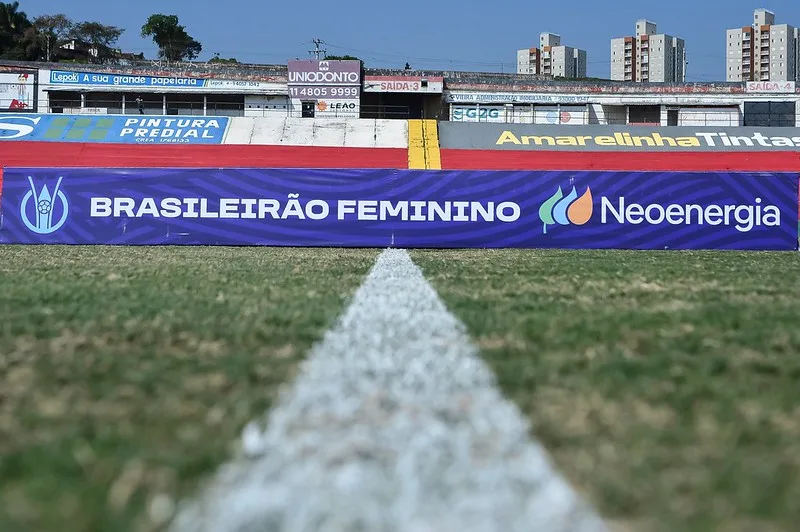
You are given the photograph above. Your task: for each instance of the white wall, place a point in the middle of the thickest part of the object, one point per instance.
(260, 105)
(709, 116)
(44, 96)
(796, 115)
(292, 131)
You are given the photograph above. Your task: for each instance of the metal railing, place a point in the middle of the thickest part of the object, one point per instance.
(185, 105)
(209, 107)
(688, 120)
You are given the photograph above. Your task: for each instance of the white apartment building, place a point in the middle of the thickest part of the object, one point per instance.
(552, 58)
(648, 56)
(764, 51)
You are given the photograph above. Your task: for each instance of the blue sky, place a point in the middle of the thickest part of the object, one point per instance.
(464, 35)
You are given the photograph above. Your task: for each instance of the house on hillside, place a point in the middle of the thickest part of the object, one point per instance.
(84, 52)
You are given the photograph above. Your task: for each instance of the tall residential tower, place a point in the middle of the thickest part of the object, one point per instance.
(764, 51)
(648, 56)
(551, 58)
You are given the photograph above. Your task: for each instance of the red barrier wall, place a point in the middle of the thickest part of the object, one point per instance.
(583, 160)
(95, 155)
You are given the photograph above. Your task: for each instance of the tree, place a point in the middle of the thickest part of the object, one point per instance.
(102, 38)
(29, 46)
(344, 58)
(174, 44)
(220, 60)
(14, 34)
(53, 31)
(341, 58)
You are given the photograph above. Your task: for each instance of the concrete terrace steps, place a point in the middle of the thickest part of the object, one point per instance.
(341, 132)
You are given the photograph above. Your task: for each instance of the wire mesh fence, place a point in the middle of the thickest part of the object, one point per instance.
(223, 105)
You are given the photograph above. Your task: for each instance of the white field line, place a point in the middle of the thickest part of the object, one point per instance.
(394, 424)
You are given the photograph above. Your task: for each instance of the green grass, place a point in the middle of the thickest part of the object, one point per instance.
(126, 373)
(666, 385)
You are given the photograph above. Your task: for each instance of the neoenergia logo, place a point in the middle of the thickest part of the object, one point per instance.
(561, 210)
(573, 210)
(743, 217)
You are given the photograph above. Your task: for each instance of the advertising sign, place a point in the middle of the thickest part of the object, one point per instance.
(453, 135)
(415, 84)
(262, 87)
(104, 79)
(326, 73)
(401, 208)
(538, 114)
(65, 77)
(17, 91)
(140, 129)
(513, 97)
(474, 113)
(346, 108)
(333, 86)
(556, 114)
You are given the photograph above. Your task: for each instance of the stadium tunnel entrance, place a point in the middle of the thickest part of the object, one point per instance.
(414, 96)
(400, 105)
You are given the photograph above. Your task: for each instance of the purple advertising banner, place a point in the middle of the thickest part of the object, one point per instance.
(401, 208)
(330, 73)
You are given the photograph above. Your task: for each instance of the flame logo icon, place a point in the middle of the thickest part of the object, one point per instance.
(566, 210)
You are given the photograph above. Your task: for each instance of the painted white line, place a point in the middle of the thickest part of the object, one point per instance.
(394, 424)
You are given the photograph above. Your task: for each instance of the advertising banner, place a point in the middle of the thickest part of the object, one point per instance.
(574, 115)
(104, 79)
(260, 87)
(513, 97)
(137, 129)
(454, 135)
(401, 208)
(566, 115)
(17, 91)
(475, 113)
(67, 77)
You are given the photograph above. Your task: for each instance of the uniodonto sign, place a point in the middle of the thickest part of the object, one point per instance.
(334, 86)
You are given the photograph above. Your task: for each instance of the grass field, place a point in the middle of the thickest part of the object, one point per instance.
(666, 384)
(126, 373)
